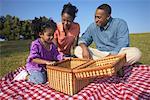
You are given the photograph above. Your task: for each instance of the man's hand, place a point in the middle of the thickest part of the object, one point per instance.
(85, 51)
(86, 54)
(111, 55)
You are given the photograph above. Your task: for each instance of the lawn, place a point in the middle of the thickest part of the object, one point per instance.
(14, 53)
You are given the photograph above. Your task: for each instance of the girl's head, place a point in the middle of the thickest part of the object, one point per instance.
(45, 29)
(68, 14)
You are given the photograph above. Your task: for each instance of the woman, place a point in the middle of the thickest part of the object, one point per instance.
(67, 33)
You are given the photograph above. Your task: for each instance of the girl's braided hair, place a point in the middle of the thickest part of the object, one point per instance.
(42, 23)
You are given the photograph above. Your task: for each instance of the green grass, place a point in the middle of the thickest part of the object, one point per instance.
(14, 53)
(142, 42)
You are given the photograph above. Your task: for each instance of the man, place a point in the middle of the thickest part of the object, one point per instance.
(111, 36)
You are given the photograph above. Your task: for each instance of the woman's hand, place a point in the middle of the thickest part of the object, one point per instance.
(66, 29)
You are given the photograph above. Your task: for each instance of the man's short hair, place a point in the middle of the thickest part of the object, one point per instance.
(105, 7)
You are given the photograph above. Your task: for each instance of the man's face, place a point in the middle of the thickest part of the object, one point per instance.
(101, 17)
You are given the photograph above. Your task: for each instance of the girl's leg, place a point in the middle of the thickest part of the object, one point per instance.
(37, 77)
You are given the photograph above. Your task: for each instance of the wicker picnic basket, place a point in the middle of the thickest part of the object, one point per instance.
(62, 78)
(71, 75)
(107, 66)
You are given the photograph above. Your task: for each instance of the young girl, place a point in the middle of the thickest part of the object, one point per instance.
(42, 52)
(67, 33)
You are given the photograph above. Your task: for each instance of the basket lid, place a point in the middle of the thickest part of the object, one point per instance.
(107, 63)
(67, 65)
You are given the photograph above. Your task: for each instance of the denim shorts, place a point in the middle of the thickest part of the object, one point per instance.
(37, 77)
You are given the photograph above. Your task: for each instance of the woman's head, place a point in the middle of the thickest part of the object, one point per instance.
(68, 14)
(45, 29)
(102, 14)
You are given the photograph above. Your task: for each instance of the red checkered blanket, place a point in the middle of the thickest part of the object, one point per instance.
(134, 85)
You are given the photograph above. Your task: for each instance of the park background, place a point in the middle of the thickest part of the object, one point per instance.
(13, 53)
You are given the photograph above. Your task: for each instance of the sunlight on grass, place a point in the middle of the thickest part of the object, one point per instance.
(13, 54)
(142, 42)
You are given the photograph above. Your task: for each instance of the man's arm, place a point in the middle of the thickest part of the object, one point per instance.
(84, 41)
(122, 37)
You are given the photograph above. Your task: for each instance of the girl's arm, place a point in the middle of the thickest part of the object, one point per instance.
(35, 55)
(41, 61)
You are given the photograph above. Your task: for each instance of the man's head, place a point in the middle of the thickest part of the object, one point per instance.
(102, 15)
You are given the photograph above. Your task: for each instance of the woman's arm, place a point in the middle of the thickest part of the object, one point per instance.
(55, 42)
(76, 31)
(75, 43)
(55, 39)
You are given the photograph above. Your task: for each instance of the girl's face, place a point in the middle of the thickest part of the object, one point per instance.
(101, 17)
(47, 35)
(66, 20)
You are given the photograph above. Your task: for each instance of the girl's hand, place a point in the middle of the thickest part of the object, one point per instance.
(50, 62)
(65, 58)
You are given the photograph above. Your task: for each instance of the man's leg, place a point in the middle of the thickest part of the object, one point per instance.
(96, 54)
(133, 54)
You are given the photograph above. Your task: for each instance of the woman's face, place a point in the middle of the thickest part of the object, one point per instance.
(47, 35)
(101, 17)
(66, 20)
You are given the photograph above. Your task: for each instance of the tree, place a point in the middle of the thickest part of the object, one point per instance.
(2, 20)
(7, 29)
(26, 29)
(16, 28)
(11, 27)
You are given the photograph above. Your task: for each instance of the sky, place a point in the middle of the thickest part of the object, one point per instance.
(135, 12)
